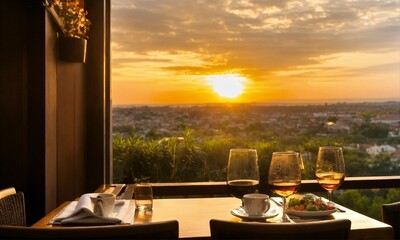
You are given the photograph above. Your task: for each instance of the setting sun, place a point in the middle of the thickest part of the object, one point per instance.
(227, 85)
(195, 53)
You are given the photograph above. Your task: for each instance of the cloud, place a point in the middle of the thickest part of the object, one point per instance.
(256, 38)
(290, 35)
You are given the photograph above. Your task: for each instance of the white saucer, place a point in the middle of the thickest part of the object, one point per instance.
(241, 213)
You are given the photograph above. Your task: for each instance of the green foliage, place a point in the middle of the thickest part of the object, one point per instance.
(332, 119)
(126, 129)
(384, 165)
(133, 159)
(394, 141)
(368, 201)
(374, 130)
(359, 203)
(357, 163)
(194, 157)
(166, 160)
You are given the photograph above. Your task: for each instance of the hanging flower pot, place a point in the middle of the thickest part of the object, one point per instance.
(71, 18)
(71, 49)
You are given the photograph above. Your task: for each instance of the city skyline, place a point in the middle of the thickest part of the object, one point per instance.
(172, 51)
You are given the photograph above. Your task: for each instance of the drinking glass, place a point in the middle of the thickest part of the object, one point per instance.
(284, 176)
(243, 172)
(330, 169)
(143, 196)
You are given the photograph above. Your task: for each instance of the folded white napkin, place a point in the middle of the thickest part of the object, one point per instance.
(81, 213)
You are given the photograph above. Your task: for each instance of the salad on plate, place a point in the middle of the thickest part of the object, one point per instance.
(309, 205)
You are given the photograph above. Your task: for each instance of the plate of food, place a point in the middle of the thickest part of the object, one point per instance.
(309, 205)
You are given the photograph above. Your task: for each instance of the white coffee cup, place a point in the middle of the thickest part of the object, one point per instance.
(103, 204)
(256, 204)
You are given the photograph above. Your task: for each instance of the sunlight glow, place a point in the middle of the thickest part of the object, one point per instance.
(227, 85)
(237, 51)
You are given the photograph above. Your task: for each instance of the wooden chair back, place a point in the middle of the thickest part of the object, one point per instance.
(12, 208)
(322, 230)
(391, 216)
(7, 192)
(154, 230)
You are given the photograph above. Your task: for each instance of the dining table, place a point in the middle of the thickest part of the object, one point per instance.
(195, 213)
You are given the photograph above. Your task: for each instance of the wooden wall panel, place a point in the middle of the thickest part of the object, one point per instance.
(80, 130)
(51, 114)
(35, 111)
(96, 110)
(65, 128)
(42, 111)
(12, 89)
(70, 127)
(22, 158)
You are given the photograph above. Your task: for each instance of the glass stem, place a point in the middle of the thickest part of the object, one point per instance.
(330, 196)
(284, 216)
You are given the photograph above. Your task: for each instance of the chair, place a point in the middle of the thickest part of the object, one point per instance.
(7, 192)
(154, 230)
(12, 207)
(328, 229)
(391, 216)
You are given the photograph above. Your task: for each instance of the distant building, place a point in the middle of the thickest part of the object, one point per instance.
(375, 150)
(393, 134)
(387, 119)
(392, 121)
(395, 157)
(339, 125)
(319, 114)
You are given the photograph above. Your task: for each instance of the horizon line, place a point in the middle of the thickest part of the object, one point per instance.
(272, 103)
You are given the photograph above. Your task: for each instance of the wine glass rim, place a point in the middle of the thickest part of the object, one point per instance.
(330, 147)
(286, 153)
(243, 149)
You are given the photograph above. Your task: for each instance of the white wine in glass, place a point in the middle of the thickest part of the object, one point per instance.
(242, 172)
(284, 177)
(330, 170)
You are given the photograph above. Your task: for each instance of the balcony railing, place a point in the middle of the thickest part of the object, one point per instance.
(190, 189)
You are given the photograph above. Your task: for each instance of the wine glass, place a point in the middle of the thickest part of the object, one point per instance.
(330, 169)
(284, 176)
(243, 172)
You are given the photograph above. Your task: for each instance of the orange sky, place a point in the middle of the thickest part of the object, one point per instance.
(163, 52)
